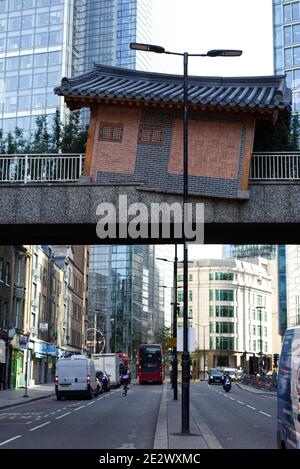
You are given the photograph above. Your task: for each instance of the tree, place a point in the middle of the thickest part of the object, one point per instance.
(19, 140)
(10, 144)
(74, 135)
(57, 135)
(41, 140)
(283, 136)
(161, 336)
(2, 143)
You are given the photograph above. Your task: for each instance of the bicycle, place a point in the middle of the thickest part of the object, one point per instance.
(125, 388)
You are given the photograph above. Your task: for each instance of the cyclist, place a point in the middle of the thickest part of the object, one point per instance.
(125, 378)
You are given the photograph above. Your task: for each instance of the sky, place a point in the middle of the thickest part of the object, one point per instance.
(197, 26)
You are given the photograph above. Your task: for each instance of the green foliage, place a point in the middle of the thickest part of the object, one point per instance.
(70, 137)
(283, 136)
(161, 336)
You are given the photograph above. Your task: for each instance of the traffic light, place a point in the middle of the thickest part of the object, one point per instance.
(275, 360)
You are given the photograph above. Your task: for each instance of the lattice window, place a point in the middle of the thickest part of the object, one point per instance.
(150, 135)
(111, 132)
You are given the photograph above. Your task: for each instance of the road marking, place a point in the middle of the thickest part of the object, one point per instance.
(250, 407)
(81, 407)
(61, 416)
(59, 410)
(240, 402)
(232, 398)
(35, 428)
(46, 415)
(268, 415)
(93, 402)
(52, 413)
(27, 423)
(11, 439)
(99, 398)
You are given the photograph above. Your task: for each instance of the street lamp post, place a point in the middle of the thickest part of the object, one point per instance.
(185, 423)
(174, 324)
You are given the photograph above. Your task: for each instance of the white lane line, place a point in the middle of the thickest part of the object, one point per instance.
(61, 416)
(11, 439)
(250, 407)
(99, 398)
(232, 398)
(52, 413)
(81, 407)
(93, 402)
(59, 410)
(240, 402)
(27, 423)
(268, 415)
(35, 428)
(64, 408)
(46, 415)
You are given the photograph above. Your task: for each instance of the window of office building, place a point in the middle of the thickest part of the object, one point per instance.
(225, 328)
(224, 276)
(224, 295)
(225, 343)
(224, 311)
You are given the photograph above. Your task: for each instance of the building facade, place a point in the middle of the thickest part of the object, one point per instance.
(230, 308)
(42, 41)
(286, 41)
(129, 296)
(14, 313)
(293, 285)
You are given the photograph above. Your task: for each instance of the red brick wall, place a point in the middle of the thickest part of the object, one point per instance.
(116, 157)
(214, 148)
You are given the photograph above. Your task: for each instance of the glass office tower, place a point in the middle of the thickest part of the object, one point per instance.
(286, 33)
(249, 251)
(42, 41)
(129, 295)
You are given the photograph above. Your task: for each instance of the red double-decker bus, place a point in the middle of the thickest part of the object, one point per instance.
(150, 364)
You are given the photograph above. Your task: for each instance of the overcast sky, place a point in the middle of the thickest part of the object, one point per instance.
(197, 26)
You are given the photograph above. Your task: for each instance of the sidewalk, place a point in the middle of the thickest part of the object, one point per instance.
(12, 397)
(252, 389)
(168, 429)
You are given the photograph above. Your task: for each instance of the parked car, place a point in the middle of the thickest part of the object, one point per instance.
(215, 376)
(288, 391)
(76, 376)
(104, 379)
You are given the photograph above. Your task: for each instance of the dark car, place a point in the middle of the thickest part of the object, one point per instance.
(215, 376)
(104, 379)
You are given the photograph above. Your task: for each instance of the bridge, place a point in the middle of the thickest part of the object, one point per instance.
(47, 195)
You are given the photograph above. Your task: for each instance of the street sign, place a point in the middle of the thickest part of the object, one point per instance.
(191, 339)
(171, 342)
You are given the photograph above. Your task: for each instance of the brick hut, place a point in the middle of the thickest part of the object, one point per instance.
(135, 129)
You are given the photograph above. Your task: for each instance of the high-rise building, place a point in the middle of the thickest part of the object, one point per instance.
(42, 41)
(249, 251)
(293, 285)
(230, 308)
(129, 297)
(286, 34)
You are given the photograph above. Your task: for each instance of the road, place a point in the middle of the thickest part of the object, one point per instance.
(239, 419)
(108, 421)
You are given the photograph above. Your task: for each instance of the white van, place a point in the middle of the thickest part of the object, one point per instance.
(288, 391)
(76, 376)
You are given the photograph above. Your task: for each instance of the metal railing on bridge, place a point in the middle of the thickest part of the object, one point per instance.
(50, 167)
(275, 166)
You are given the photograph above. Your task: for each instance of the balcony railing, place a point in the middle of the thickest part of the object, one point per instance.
(279, 166)
(41, 168)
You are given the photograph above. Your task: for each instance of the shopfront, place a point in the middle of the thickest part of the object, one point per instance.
(3, 362)
(39, 363)
(17, 376)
